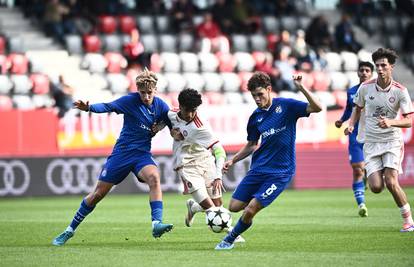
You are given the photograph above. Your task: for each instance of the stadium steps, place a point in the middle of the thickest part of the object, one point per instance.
(14, 24)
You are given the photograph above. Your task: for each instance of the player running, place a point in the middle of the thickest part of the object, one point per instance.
(131, 152)
(356, 155)
(273, 162)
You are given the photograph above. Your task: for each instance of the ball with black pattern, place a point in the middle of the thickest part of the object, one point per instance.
(218, 219)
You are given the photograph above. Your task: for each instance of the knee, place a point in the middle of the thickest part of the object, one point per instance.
(375, 189)
(250, 211)
(233, 207)
(153, 180)
(94, 197)
(358, 172)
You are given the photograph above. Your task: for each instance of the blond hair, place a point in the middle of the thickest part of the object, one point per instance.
(146, 79)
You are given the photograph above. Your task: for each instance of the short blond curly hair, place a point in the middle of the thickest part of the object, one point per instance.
(146, 79)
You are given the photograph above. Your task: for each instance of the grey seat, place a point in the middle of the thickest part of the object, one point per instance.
(150, 43)
(240, 43)
(163, 24)
(258, 42)
(168, 43)
(111, 42)
(271, 24)
(145, 24)
(73, 44)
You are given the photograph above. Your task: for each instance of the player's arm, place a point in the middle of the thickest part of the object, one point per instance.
(96, 108)
(314, 104)
(405, 122)
(248, 149)
(355, 115)
(220, 156)
(347, 112)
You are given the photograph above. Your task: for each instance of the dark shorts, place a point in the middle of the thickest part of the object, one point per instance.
(119, 165)
(264, 187)
(356, 153)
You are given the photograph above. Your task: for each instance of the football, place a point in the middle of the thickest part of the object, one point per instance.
(218, 219)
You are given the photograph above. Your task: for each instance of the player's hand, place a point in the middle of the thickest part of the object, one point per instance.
(79, 104)
(297, 80)
(227, 165)
(348, 130)
(338, 124)
(383, 122)
(155, 128)
(176, 134)
(218, 187)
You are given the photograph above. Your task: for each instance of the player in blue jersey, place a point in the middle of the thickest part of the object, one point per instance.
(273, 162)
(355, 148)
(142, 110)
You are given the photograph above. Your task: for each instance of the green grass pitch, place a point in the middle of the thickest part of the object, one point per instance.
(301, 228)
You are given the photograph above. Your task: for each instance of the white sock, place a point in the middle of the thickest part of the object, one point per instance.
(69, 229)
(406, 214)
(196, 208)
(154, 223)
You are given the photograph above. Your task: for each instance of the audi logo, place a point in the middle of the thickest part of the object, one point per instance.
(73, 176)
(16, 178)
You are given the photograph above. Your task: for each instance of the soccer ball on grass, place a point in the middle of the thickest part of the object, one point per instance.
(218, 219)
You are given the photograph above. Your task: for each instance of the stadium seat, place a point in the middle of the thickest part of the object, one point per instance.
(41, 83)
(15, 44)
(244, 77)
(208, 62)
(258, 42)
(168, 43)
(194, 80)
(394, 42)
(334, 61)
(271, 24)
(364, 55)
(289, 94)
(118, 83)
(214, 98)
(327, 98)
(213, 80)
(73, 44)
(145, 24)
(163, 24)
(227, 62)
(156, 64)
(272, 40)
(245, 61)
(239, 43)
(339, 81)
(231, 82)
(341, 98)
(186, 42)
(2, 45)
(116, 62)
(19, 63)
(176, 82)
(353, 78)
(391, 24)
(22, 84)
(23, 102)
(304, 22)
(42, 101)
(162, 83)
(107, 24)
(189, 62)
(307, 79)
(171, 62)
(197, 20)
(94, 62)
(350, 61)
(372, 24)
(111, 43)
(126, 24)
(91, 44)
(150, 43)
(5, 84)
(321, 81)
(5, 64)
(6, 103)
(233, 98)
(289, 23)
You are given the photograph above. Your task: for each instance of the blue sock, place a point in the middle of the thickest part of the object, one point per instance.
(82, 212)
(156, 211)
(359, 192)
(237, 230)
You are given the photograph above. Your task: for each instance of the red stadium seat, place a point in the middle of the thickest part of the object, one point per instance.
(41, 83)
(116, 62)
(307, 79)
(132, 75)
(107, 24)
(4, 64)
(5, 103)
(341, 98)
(244, 78)
(156, 62)
(272, 40)
(321, 81)
(227, 62)
(214, 98)
(126, 24)
(91, 44)
(2, 45)
(19, 64)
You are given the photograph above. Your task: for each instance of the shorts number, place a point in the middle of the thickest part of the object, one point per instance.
(269, 191)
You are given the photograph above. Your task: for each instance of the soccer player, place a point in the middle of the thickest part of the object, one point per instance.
(131, 152)
(273, 162)
(381, 100)
(198, 156)
(356, 156)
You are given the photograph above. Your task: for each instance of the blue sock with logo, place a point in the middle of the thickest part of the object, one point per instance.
(82, 212)
(359, 192)
(156, 211)
(237, 230)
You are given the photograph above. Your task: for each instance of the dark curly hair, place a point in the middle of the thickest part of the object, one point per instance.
(387, 53)
(189, 99)
(259, 79)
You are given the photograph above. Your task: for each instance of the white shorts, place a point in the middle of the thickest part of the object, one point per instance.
(383, 155)
(199, 175)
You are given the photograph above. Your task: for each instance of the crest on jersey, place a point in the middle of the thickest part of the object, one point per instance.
(185, 133)
(391, 99)
(278, 109)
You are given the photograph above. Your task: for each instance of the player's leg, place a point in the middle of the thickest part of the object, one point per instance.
(199, 202)
(150, 175)
(356, 157)
(374, 167)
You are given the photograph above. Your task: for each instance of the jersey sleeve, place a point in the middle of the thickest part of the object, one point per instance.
(253, 133)
(296, 108)
(163, 111)
(205, 136)
(405, 103)
(118, 106)
(348, 109)
(359, 98)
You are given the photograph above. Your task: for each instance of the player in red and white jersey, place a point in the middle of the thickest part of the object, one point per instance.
(382, 99)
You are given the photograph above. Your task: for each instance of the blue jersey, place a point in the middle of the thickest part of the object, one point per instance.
(350, 94)
(277, 129)
(138, 119)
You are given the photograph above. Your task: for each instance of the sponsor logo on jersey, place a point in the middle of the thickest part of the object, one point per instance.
(278, 109)
(272, 131)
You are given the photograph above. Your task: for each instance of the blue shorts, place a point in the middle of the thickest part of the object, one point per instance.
(355, 151)
(119, 165)
(263, 187)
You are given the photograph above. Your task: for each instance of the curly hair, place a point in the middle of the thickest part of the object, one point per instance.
(387, 53)
(259, 79)
(189, 99)
(366, 64)
(146, 79)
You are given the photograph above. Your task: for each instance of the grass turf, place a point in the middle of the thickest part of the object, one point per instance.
(301, 228)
